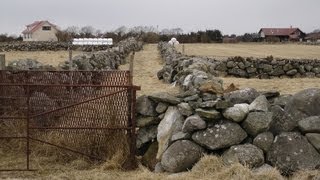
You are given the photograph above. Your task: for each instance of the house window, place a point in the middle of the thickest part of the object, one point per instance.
(46, 28)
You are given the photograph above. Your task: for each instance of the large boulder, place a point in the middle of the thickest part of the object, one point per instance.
(222, 135)
(145, 106)
(310, 124)
(237, 113)
(193, 123)
(165, 98)
(263, 141)
(246, 154)
(291, 151)
(246, 95)
(257, 122)
(259, 104)
(167, 126)
(181, 156)
(304, 104)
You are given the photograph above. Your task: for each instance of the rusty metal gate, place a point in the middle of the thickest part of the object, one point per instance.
(83, 112)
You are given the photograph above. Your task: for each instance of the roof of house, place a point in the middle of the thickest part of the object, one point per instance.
(278, 31)
(35, 25)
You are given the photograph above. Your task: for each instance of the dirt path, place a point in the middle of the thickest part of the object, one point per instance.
(146, 65)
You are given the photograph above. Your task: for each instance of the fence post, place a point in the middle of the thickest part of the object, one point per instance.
(70, 55)
(131, 68)
(2, 62)
(183, 49)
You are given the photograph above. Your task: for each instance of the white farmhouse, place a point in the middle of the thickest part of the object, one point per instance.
(40, 31)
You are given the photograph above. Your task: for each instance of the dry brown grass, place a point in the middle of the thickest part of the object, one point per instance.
(209, 167)
(47, 57)
(221, 51)
(146, 65)
(284, 86)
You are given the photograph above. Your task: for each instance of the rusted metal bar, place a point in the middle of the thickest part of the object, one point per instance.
(76, 104)
(131, 68)
(28, 124)
(92, 128)
(12, 117)
(68, 149)
(2, 170)
(2, 61)
(13, 137)
(66, 85)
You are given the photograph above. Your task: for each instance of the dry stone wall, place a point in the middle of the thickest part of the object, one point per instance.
(46, 46)
(100, 60)
(263, 68)
(256, 129)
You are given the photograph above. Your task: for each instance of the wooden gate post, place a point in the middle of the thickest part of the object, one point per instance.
(2, 62)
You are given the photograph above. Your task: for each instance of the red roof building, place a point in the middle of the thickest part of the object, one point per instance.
(281, 34)
(40, 31)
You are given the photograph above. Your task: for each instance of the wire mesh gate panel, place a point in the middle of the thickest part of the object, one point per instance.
(90, 113)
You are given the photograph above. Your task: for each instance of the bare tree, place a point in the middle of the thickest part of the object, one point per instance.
(87, 31)
(72, 30)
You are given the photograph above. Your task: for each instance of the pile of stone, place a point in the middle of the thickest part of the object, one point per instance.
(256, 129)
(46, 46)
(178, 65)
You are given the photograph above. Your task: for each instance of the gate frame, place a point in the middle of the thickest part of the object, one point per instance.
(131, 126)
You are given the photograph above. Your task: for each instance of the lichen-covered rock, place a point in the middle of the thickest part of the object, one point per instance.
(257, 122)
(165, 98)
(314, 139)
(263, 141)
(161, 107)
(246, 95)
(310, 124)
(291, 151)
(193, 123)
(181, 156)
(281, 121)
(209, 114)
(145, 106)
(246, 154)
(167, 126)
(259, 104)
(220, 136)
(185, 109)
(237, 113)
(298, 109)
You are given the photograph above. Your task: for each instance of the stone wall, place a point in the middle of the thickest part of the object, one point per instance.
(237, 66)
(46, 46)
(100, 60)
(256, 129)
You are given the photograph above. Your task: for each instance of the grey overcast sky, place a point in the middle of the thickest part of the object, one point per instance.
(230, 16)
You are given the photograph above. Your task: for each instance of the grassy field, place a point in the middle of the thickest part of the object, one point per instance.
(222, 51)
(47, 57)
